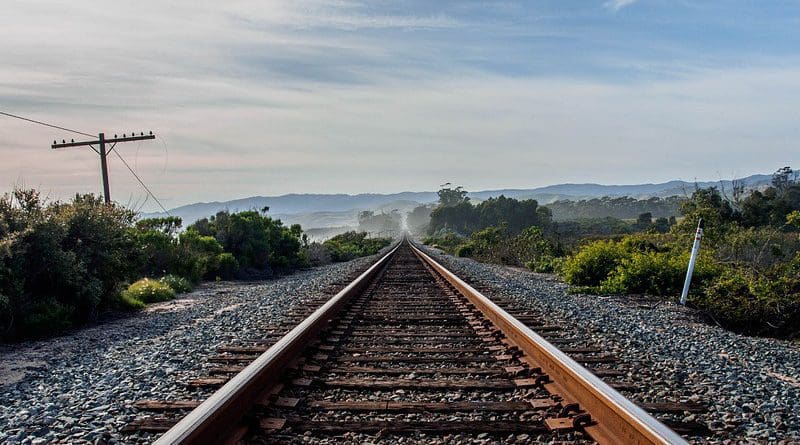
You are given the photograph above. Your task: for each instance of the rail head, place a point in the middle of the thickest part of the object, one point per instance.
(217, 415)
(619, 419)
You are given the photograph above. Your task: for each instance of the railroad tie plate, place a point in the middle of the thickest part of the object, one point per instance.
(272, 424)
(559, 423)
(544, 403)
(526, 383)
(286, 402)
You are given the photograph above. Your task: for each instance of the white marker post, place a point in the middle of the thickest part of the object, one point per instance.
(692, 260)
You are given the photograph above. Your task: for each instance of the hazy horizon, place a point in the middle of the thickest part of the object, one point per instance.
(362, 97)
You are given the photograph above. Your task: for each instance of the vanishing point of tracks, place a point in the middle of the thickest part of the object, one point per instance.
(410, 349)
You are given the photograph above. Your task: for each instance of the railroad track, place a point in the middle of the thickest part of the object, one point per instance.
(407, 349)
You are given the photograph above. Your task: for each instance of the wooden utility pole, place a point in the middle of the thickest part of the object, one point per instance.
(101, 150)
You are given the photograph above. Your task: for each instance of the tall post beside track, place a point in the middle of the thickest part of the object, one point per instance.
(104, 168)
(692, 260)
(103, 150)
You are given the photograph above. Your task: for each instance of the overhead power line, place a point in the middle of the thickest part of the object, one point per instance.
(45, 124)
(141, 182)
(101, 142)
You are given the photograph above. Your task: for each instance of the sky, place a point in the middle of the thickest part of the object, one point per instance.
(274, 97)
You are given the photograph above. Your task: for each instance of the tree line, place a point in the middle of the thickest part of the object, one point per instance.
(623, 207)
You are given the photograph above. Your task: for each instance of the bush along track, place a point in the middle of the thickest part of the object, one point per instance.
(64, 264)
(747, 278)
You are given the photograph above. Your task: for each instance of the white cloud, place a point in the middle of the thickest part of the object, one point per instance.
(616, 5)
(274, 104)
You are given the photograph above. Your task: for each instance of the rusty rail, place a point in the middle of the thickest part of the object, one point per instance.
(213, 419)
(618, 420)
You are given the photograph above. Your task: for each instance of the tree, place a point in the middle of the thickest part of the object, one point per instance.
(61, 264)
(661, 225)
(644, 220)
(771, 206)
(419, 218)
(168, 225)
(257, 242)
(465, 218)
(713, 208)
(783, 178)
(449, 197)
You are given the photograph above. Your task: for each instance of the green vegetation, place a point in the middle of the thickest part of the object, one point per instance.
(644, 264)
(259, 244)
(60, 264)
(178, 284)
(350, 245)
(188, 255)
(456, 213)
(528, 248)
(620, 207)
(146, 291)
(64, 264)
(747, 277)
(446, 240)
(500, 230)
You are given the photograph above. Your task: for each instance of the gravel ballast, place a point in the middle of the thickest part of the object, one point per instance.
(78, 388)
(751, 385)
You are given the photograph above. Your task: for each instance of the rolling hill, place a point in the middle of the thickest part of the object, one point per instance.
(333, 210)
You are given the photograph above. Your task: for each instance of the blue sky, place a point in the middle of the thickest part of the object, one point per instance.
(265, 98)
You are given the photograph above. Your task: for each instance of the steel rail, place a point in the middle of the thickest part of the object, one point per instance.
(619, 421)
(214, 419)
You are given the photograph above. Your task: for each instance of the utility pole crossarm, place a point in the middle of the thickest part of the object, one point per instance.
(73, 144)
(101, 150)
(114, 140)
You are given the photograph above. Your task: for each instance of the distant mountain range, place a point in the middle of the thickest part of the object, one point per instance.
(323, 210)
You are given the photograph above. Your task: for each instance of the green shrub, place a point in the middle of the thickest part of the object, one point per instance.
(257, 242)
(445, 240)
(594, 262)
(61, 263)
(198, 256)
(318, 255)
(759, 248)
(532, 247)
(546, 265)
(654, 273)
(128, 301)
(455, 212)
(178, 284)
(793, 219)
(350, 245)
(465, 250)
(46, 318)
(148, 291)
(227, 266)
(755, 305)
